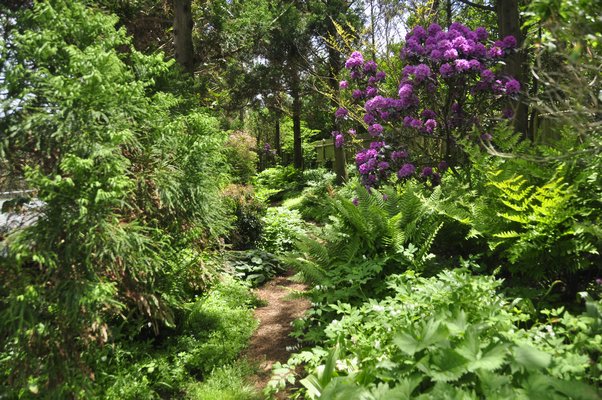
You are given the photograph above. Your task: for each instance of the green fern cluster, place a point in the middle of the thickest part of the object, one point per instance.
(369, 238)
(392, 226)
(540, 222)
(537, 212)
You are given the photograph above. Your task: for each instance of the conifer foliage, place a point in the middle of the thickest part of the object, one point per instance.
(125, 183)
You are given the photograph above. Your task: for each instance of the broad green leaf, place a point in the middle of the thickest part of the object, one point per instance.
(429, 333)
(343, 388)
(491, 359)
(312, 384)
(576, 390)
(492, 384)
(445, 366)
(458, 324)
(403, 389)
(470, 346)
(537, 387)
(531, 358)
(407, 343)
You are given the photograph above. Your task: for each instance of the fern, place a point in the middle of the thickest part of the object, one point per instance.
(365, 242)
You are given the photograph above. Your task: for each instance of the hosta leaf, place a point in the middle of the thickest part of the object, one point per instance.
(257, 278)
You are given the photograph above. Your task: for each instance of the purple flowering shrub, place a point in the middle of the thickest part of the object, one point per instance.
(448, 87)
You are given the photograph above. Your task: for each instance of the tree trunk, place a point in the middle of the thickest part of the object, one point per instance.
(277, 140)
(296, 95)
(372, 30)
(334, 61)
(448, 9)
(183, 34)
(508, 18)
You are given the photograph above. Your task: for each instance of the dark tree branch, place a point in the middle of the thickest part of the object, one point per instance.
(481, 6)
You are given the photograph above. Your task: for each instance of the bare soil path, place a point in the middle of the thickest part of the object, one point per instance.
(271, 341)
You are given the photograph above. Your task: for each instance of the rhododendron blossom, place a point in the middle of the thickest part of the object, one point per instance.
(447, 88)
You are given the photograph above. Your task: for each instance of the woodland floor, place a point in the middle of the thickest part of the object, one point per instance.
(271, 341)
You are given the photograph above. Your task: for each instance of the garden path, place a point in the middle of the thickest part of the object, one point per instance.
(271, 341)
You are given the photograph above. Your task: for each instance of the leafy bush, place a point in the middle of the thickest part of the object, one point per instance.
(226, 383)
(311, 203)
(281, 229)
(242, 156)
(129, 195)
(535, 213)
(275, 183)
(253, 266)
(248, 210)
(217, 327)
(454, 336)
(368, 238)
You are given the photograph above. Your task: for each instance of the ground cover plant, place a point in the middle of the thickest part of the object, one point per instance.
(454, 336)
(216, 328)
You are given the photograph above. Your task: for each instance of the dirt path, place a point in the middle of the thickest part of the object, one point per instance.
(270, 342)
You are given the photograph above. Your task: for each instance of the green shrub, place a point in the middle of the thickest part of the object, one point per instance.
(277, 182)
(248, 211)
(454, 336)
(217, 327)
(281, 229)
(537, 213)
(220, 326)
(312, 202)
(130, 190)
(226, 383)
(367, 238)
(242, 156)
(253, 266)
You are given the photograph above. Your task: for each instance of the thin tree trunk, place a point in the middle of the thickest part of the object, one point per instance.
(372, 28)
(449, 15)
(183, 34)
(334, 60)
(277, 136)
(508, 18)
(296, 95)
(435, 11)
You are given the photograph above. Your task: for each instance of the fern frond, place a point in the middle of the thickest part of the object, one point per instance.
(507, 235)
(421, 256)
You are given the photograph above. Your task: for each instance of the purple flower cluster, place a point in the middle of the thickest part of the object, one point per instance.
(356, 60)
(341, 113)
(363, 70)
(458, 42)
(457, 62)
